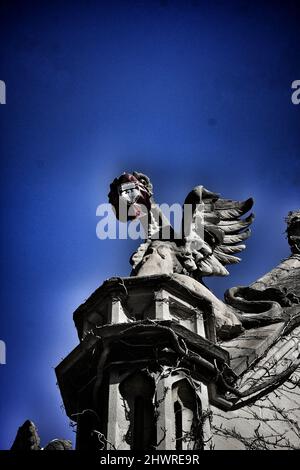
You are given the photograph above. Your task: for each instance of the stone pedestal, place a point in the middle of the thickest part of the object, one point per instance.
(146, 368)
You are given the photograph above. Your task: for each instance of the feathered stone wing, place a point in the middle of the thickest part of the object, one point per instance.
(214, 231)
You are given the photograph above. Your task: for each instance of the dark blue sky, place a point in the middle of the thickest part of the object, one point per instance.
(188, 92)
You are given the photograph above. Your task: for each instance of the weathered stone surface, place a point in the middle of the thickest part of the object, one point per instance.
(157, 341)
(226, 322)
(27, 437)
(271, 422)
(251, 345)
(59, 444)
(284, 276)
(135, 297)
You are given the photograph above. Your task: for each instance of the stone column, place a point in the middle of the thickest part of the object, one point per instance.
(117, 424)
(162, 310)
(166, 416)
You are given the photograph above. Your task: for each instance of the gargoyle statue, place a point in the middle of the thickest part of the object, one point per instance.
(211, 235)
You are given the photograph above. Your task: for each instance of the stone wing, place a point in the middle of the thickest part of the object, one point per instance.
(215, 231)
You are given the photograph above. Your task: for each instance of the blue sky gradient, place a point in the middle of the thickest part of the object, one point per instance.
(188, 92)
